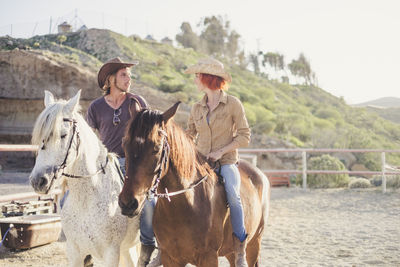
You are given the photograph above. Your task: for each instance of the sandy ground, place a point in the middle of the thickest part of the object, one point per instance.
(335, 227)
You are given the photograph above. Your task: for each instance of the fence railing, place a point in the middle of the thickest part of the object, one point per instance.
(250, 153)
(385, 169)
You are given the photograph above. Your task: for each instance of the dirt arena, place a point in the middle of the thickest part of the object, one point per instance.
(335, 227)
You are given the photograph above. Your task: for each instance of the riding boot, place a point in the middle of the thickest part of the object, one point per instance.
(156, 261)
(145, 255)
(240, 252)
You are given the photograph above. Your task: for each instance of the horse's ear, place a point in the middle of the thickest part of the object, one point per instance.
(48, 98)
(170, 112)
(73, 102)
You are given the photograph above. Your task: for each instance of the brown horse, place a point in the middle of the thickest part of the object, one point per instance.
(191, 219)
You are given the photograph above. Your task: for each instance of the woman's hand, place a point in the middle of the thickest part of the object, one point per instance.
(216, 155)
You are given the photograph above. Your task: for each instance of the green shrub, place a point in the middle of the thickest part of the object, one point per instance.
(359, 183)
(149, 79)
(171, 86)
(265, 127)
(326, 162)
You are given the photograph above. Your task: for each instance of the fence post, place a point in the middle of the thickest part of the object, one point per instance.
(383, 158)
(304, 168)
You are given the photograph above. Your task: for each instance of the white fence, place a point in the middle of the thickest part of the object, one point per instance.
(385, 169)
(250, 153)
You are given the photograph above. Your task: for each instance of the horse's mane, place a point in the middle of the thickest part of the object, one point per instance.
(183, 152)
(47, 128)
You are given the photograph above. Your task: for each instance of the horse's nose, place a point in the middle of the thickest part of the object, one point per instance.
(129, 208)
(42, 182)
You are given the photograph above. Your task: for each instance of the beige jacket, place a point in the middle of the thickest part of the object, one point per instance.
(227, 123)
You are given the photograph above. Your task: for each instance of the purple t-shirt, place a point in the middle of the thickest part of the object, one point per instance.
(100, 117)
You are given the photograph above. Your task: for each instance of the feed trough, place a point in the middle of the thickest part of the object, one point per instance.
(24, 232)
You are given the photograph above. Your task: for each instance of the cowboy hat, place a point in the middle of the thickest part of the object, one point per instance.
(111, 67)
(210, 66)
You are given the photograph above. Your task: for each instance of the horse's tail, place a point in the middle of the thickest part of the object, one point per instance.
(266, 197)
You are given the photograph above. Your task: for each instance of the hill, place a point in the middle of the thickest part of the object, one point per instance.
(384, 102)
(279, 114)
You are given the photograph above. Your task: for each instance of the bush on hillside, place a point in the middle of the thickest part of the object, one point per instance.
(326, 162)
(359, 183)
(391, 181)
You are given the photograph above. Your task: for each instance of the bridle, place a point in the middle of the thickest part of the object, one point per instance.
(163, 164)
(63, 165)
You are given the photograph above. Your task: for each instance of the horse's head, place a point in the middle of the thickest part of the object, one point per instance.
(56, 136)
(146, 150)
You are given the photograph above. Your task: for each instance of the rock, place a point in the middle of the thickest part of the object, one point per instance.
(24, 76)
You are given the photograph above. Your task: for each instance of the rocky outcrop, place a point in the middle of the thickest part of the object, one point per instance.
(24, 76)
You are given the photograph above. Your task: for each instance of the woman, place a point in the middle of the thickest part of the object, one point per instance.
(219, 126)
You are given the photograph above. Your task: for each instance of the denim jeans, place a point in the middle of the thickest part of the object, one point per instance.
(146, 216)
(231, 176)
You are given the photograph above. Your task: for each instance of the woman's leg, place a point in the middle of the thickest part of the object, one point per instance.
(231, 176)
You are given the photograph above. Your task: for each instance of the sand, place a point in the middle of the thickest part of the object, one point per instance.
(332, 227)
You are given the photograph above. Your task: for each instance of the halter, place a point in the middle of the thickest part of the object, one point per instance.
(64, 163)
(163, 163)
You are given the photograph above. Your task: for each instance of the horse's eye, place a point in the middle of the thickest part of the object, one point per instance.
(63, 136)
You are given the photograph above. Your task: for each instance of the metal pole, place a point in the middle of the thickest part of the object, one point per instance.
(383, 158)
(304, 168)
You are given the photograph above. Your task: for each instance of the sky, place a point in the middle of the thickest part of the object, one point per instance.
(353, 45)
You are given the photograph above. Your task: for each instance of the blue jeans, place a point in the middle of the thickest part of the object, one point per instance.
(146, 216)
(231, 176)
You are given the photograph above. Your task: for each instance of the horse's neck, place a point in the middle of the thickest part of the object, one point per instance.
(92, 157)
(174, 182)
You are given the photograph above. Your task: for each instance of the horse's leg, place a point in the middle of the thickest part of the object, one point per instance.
(231, 258)
(208, 260)
(111, 256)
(253, 250)
(74, 256)
(125, 258)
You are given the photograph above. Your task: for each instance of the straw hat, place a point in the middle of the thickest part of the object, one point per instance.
(209, 66)
(110, 67)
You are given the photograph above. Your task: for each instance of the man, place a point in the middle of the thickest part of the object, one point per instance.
(109, 115)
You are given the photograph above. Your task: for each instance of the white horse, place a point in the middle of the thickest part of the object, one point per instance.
(70, 152)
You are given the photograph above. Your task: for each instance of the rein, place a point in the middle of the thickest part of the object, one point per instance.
(64, 163)
(163, 163)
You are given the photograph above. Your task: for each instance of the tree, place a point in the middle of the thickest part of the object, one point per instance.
(61, 38)
(214, 35)
(187, 37)
(232, 45)
(255, 63)
(243, 63)
(301, 68)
